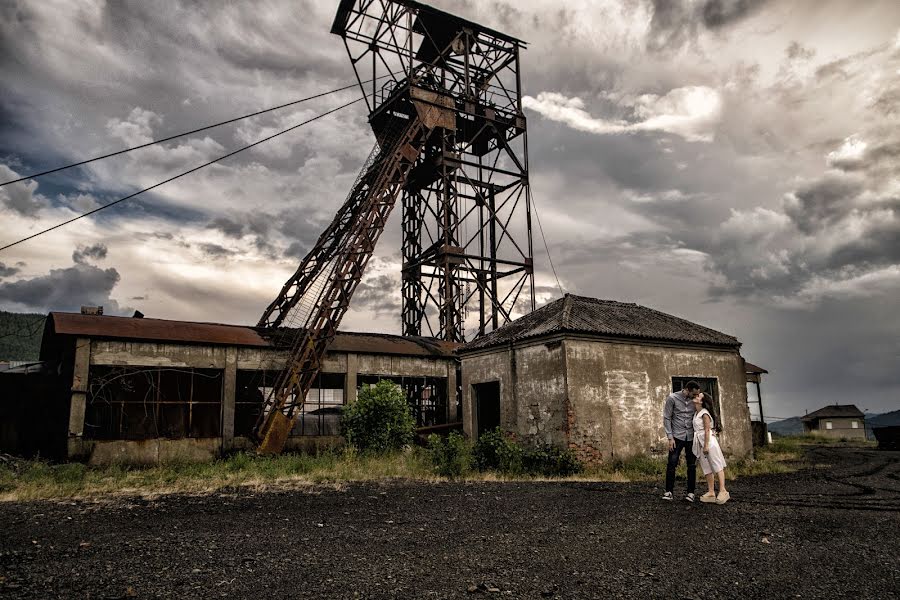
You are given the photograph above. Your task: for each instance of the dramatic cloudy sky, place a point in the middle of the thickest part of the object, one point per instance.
(733, 162)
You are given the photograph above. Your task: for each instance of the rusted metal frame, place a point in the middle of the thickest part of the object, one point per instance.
(511, 152)
(316, 259)
(504, 226)
(495, 215)
(353, 61)
(309, 347)
(519, 282)
(479, 283)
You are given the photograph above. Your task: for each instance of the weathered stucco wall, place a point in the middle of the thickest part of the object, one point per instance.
(617, 392)
(541, 391)
(603, 399)
(841, 427)
(484, 368)
(229, 359)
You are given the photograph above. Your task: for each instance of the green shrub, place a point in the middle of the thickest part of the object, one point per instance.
(380, 420)
(450, 456)
(495, 451)
(550, 461)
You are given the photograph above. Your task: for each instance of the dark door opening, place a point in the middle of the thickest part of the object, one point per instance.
(487, 407)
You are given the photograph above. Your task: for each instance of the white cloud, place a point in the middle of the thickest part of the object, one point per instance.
(136, 129)
(860, 285)
(850, 153)
(691, 112)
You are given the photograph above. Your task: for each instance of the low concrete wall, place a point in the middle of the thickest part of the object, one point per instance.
(147, 452)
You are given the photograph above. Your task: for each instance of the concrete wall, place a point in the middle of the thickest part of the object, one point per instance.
(617, 392)
(485, 368)
(603, 399)
(841, 428)
(229, 359)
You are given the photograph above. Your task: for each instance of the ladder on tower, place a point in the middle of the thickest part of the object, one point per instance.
(315, 299)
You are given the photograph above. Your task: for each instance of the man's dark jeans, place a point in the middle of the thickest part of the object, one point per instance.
(674, 457)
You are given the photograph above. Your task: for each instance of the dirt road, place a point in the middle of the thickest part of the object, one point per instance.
(825, 532)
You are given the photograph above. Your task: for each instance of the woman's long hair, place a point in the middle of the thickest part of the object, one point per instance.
(709, 403)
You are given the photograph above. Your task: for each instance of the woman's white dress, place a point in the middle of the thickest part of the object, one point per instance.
(715, 460)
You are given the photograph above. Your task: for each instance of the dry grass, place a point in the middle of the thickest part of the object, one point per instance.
(35, 479)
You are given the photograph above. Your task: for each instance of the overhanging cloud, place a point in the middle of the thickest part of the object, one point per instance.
(691, 112)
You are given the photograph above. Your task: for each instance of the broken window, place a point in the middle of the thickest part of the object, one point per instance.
(135, 403)
(319, 415)
(427, 396)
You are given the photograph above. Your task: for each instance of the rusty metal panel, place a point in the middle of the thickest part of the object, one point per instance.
(96, 326)
(434, 110)
(276, 433)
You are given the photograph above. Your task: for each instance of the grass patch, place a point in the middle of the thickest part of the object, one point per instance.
(37, 479)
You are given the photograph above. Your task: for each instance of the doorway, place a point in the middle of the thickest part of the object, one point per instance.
(487, 407)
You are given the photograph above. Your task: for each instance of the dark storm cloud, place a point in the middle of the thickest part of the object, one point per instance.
(297, 250)
(20, 197)
(379, 294)
(65, 289)
(216, 251)
(7, 271)
(676, 23)
(796, 50)
(718, 13)
(96, 252)
(823, 202)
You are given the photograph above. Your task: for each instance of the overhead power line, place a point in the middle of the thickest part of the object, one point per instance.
(193, 131)
(206, 164)
(546, 247)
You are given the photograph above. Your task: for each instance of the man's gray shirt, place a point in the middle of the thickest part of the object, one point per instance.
(678, 417)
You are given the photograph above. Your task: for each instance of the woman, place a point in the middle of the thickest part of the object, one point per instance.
(707, 450)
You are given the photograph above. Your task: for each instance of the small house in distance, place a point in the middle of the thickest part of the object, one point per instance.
(593, 375)
(836, 421)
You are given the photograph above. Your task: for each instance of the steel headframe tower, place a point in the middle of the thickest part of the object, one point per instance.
(467, 246)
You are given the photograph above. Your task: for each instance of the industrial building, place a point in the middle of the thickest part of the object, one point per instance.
(587, 374)
(592, 375)
(117, 389)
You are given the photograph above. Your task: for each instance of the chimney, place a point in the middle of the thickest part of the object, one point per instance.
(92, 310)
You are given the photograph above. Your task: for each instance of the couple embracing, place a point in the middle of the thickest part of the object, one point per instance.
(691, 423)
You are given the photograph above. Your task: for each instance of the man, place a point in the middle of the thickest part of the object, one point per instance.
(678, 416)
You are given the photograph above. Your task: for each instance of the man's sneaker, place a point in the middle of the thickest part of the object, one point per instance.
(667, 496)
(689, 497)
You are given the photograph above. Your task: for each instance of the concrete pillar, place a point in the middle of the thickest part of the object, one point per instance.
(350, 379)
(229, 389)
(78, 402)
(451, 392)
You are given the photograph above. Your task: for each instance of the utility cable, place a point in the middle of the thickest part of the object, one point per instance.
(193, 131)
(546, 247)
(206, 164)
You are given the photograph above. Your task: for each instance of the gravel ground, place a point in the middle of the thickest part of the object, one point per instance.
(825, 532)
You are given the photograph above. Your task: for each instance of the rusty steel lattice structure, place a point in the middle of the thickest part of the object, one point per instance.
(446, 112)
(467, 243)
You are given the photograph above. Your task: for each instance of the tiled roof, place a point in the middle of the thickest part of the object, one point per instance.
(607, 318)
(834, 411)
(164, 330)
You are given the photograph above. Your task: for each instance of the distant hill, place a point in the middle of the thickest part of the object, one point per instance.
(785, 427)
(20, 335)
(794, 426)
(884, 419)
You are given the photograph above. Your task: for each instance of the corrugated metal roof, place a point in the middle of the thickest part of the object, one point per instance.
(578, 314)
(164, 330)
(834, 411)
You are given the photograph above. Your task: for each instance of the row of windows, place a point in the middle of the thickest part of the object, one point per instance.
(853, 425)
(134, 403)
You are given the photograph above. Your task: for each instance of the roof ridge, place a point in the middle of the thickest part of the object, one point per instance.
(566, 312)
